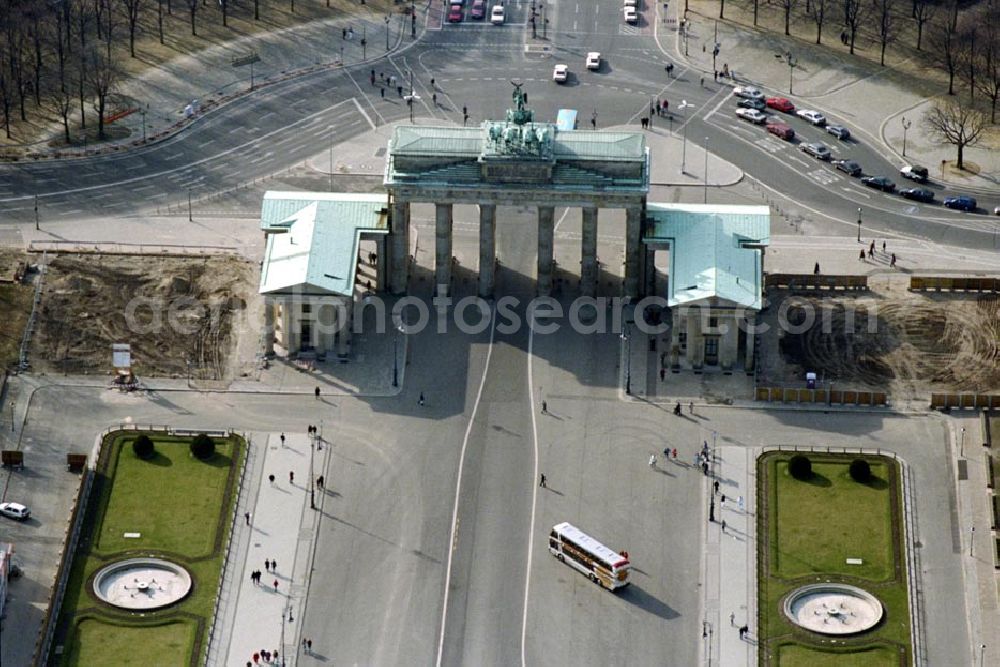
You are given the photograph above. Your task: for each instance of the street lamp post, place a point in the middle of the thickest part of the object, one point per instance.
(906, 126)
(628, 361)
(684, 105)
(859, 224)
(312, 475)
(387, 33)
(792, 63)
(143, 113)
(961, 449)
(972, 539)
(706, 170)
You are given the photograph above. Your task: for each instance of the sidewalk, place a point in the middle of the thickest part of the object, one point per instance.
(872, 100)
(265, 617)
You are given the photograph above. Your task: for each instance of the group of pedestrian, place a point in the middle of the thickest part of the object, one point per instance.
(307, 645)
(871, 254)
(255, 579)
(266, 656)
(347, 33)
(271, 565)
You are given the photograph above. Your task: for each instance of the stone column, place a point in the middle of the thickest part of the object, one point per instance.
(487, 248)
(345, 318)
(729, 342)
(286, 324)
(633, 263)
(588, 253)
(442, 252)
(381, 250)
(398, 248)
(546, 228)
(269, 332)
(695, 340)
(748, 360)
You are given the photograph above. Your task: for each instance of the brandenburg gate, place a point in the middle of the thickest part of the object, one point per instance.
(515, 162)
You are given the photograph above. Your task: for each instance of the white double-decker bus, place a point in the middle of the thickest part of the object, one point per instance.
(581, 551)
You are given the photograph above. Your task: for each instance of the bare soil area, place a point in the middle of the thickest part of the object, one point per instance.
(182, 316)
(15, 304)
(903, 342)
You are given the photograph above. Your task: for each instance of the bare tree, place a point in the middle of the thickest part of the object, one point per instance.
(103, 76)
(818, 17)
(131, 8)
(787, 6)
(855, 13)
(923, 11)
(224, 6)
(193, 6)
(6, 86)
(988, 58)
(60, 101)
(945, 46)
(957, 123)
(109, 26)
(159, 18)
(99, 6)
(885, 24)
(256, 10)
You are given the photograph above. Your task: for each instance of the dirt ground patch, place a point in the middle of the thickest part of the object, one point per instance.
(181, 316)
(907, 343)
(15, 304)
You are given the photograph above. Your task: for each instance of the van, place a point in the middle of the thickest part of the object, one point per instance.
(781, 131)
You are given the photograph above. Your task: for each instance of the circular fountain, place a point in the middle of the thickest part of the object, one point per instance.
(833, 609)
(142, 583)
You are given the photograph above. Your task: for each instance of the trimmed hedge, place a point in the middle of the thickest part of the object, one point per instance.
(202, 447)
(143, 447)
(800, 467)
(860, 471)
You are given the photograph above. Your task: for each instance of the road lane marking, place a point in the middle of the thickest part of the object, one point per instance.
(534, 492)
(458, 484)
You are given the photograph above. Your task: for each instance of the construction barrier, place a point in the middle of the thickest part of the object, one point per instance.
(942, 284)
(814, 282)
(965, 401)
(821, 396)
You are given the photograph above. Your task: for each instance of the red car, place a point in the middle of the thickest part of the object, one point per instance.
(455, 14)
(478, 10)
(781, 130)
(780, 104)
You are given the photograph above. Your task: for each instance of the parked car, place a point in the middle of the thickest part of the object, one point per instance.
(632, 3)
(15, 511)
(849, 167)
(961, 202)
(839, 131)
(594, 60)
(560, 73)
(780, 104)
(478, 11)
(814, 117)
(817, 150)
(631, 15)
(752, 115)
(914, 173)
(781, 131)
(748, 92)
(752, 103)
(879, 183)
(918, 194)
(455, 14)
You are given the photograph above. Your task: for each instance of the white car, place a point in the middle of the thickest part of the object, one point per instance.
(748, 92)
(631, 16)
(497, 16)
(560, 73)
(632, 3)
(814, 117)
(753, 115)
(15, 511)
(594, 60)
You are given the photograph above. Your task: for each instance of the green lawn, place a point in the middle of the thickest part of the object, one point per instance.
(797, 655)
(833, 518)
(181, 507)
(139, 646)
(812, 527)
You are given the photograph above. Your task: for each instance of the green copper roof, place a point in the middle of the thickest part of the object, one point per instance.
(707, 257)
(313, 241)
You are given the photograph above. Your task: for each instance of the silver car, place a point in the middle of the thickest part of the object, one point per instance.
(817, 150)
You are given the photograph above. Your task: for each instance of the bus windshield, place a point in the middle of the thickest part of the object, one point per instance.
(566, 120)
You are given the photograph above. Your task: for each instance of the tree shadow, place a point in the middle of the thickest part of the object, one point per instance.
(816, 479)
(158, 459)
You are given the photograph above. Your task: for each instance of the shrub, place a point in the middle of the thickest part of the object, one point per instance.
(202, 447)
(800, 467)
(860, 470)
(143, 447)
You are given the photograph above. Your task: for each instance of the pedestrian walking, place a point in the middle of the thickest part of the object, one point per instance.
(716, 485)
(702, 82)
(381, 76)
(253, 577)
(309, 645)
(723, 501)
(291, 477)
(743, 631)
(723, 525)
(246, 515)
(732, 619)
(652, 460)
(704, 469)
(871, 248)
(420, 400)
(270, 478)
(432, 82)
(816, 269)
(545, 408)
(320, 481)
(276, 581)
(677, 408)
(267, 565)
(282, 439)
(691, 407)
(892, 260)
(663, 374)
(542, 480)
(399, 90)
(715, 76)
(883, 247)
(274, 565)
(303, 643)
(256, 658)
(675, 453)
(861, 257)
(316, 392)
(381, 91)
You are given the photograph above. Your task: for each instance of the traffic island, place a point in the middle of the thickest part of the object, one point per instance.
(164, 513)
(832, 541)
